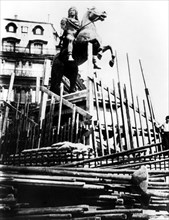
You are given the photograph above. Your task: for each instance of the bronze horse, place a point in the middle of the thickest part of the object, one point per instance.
(87, 33)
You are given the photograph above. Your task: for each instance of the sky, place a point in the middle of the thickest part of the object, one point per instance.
(137, 28)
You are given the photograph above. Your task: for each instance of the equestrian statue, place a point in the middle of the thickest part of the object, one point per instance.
(74, 45)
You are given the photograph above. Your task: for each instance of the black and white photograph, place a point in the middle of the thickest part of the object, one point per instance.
(84, 109)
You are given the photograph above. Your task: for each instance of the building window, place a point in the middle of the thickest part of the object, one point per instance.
(24, 29)
(11, 27)
(38, 48)
(38, 30)
(9, 46)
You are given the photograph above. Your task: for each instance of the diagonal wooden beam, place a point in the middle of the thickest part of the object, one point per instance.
(66, 102)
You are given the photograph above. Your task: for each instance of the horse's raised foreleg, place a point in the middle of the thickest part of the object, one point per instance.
(104, 49)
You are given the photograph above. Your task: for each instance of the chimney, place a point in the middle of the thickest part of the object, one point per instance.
(48, 18)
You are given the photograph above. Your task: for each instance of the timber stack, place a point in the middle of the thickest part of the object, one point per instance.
(82, 193)
(92, 154)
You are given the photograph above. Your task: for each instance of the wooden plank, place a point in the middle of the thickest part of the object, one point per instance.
(19, 112)
(52, 210)
(64, 173)
(138, 164)
(76, 96)
(111, 156)
(63, 216)
(114, 211)
(66, 102)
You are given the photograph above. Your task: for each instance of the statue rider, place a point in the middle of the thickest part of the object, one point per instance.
(70, 26)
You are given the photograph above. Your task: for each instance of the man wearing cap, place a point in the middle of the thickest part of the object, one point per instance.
(164, 132)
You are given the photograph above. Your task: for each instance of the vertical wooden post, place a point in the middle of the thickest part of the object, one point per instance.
(122, 107)
(47, 70)
(128, 118)
(51, 114)
(17, 107)
(8, 100)
(90, 108)
(98, 117)
(89, 59)
(117, 117)
(68, 130)
(152, 116)
(60, 110)
(105, 121)
(112, 119)
(1, 125)
(77, 128)
(89, 100)
(133, 103)
(141, 126)
(42, 109)
(37, 90)
(73, 122)
(147, 125)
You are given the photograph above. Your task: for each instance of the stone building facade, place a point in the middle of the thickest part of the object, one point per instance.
(24, 47)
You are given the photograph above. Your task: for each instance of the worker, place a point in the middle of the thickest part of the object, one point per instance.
(164, 130)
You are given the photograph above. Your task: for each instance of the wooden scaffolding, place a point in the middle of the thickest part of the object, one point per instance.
(100, 117)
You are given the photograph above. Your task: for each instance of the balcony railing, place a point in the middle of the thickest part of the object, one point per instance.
(22, 72)
(26, 50)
